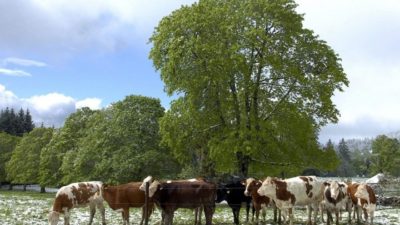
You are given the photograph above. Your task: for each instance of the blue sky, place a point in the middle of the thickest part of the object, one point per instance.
(59, 55)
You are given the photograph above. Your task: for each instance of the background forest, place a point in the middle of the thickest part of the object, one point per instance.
(252, 90)
(122, 143)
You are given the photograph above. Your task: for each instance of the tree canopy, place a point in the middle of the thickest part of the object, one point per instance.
(254, 85)
(386, 156)
(117, 144)
(23, 167)
(7, 146)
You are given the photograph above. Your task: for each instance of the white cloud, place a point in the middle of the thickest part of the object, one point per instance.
(68, 26)
(93, 103)
(23, 62)
(50, 109)
(365, 34)
(14, 73)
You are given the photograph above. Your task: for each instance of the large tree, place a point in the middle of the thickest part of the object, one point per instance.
(254, 85)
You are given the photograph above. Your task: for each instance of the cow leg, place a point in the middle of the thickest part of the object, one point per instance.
(200, 211)
(92, 208)
(365, 215)
(66, 217)
(143, 215)
(348, 209)
(372, 217)
(337, 216)
(291, 217)
(264, 214)
(125, 216)
(315, 209)
(247, 211)
(322, 214)
(235, 212)
(208, 212)
(102, 210)
(197, 215)
(257, 215)
(196, 211)
(275, 213)
(309, 214)
(169, 217)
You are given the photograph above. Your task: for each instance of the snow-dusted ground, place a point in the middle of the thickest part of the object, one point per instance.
(18, 208)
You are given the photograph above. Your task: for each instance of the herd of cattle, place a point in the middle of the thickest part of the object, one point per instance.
(201, 195)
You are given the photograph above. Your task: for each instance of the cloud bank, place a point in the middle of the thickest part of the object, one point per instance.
(365, 34)
(70, 26)
(49, 109)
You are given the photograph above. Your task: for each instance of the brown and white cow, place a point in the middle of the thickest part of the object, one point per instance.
(124, 196)
(303, 190)
(336, 199)
(259, 202)
(363, 198)
(77, 195)
(170, 196)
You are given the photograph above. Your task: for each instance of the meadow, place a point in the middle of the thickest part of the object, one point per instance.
(31, 208)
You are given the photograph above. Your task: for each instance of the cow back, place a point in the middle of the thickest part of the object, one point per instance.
(305, 189)
(124, 195)
(185, 194)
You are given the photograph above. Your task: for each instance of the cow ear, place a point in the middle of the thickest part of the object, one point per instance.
(326, 183)
(243, 182)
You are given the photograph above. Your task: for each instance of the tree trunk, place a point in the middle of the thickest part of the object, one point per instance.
(42, 189)
(24, 187)
(10, 187)
(243, 164)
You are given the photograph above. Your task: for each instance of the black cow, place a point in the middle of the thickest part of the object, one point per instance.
(233, 193)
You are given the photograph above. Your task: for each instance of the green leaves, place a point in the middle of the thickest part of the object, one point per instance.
(23, 167)
(7, 145)
(114, 145)
(251, 76)
(386, 156)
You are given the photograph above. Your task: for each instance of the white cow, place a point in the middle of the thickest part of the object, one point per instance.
(77, 195)
(336, 198)
(303, 190)
(366, 200)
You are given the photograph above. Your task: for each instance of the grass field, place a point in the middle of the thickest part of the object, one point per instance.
(31, 208)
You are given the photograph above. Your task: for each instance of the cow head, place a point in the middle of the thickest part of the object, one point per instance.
(268, 187)
(53, 217)
(153, 188)
(251, 185)
(362, 192)
(334, 189)
(148, 180)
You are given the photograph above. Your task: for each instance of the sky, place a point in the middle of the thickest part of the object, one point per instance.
(57, 56)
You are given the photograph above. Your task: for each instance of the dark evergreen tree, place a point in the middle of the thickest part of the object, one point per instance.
(29, 125)
(20, 122)
(16, 124)
(345, 169)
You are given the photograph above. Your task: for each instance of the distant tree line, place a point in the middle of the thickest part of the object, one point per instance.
(382, 155)
(117, 144)
(16, 123)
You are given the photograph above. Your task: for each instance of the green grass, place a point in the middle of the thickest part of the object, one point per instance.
(32, 208)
